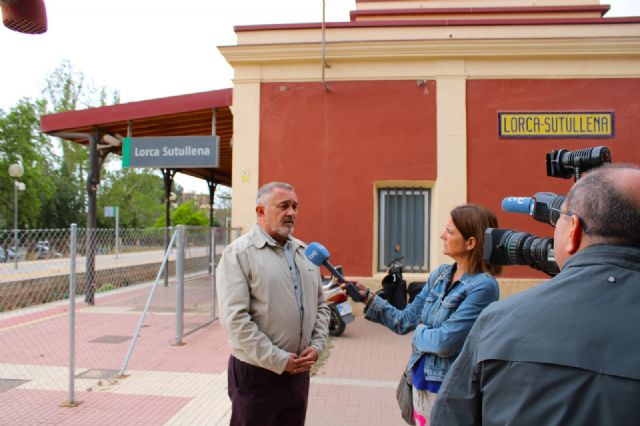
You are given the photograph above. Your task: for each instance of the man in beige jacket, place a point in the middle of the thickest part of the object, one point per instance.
(272, 308)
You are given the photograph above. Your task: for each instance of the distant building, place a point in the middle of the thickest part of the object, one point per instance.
(200, 200)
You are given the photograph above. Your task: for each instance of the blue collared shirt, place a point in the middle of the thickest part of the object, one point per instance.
(293, 268)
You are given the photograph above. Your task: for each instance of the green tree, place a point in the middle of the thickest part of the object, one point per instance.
(21, 142)
(189, 214)
(185, 214)
(66, 89)
(66, 206)
(138, 194)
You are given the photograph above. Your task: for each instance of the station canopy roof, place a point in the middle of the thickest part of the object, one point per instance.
(184, 115)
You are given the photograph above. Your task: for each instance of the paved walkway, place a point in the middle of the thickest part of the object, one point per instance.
(167, 384)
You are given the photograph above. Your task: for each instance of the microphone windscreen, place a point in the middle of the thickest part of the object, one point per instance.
(518, 205)
(316, 253)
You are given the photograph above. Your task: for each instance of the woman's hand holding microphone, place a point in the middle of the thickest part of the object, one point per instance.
(366, 296)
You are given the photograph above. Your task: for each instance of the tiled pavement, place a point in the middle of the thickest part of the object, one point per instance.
(180, 385)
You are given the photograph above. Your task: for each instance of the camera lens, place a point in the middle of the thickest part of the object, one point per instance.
(565, 164)
(507, 247)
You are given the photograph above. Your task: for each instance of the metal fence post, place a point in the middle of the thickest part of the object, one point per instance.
(72, 314)
(180, 248)
(117, 231)
(212, 262)
(210, 249)
(90, 275)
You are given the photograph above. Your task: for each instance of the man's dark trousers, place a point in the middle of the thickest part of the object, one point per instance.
(262, 397)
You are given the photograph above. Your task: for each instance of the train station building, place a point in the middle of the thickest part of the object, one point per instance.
(387, 121)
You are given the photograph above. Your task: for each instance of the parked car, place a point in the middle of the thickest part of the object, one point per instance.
(42, 249)
(6, 254)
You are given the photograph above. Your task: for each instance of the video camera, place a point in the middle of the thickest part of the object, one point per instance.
(507, 247)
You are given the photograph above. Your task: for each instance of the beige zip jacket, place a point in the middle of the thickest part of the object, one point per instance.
(258, 307)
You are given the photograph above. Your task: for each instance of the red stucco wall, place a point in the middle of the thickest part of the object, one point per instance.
(516, 167)
(332, 146)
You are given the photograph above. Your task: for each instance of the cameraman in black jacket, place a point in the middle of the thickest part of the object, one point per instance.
(566, 352)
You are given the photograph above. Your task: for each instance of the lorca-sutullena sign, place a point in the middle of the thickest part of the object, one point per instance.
(555, 124)
(171, 152)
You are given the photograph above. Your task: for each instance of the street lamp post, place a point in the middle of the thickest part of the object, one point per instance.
(16, 171)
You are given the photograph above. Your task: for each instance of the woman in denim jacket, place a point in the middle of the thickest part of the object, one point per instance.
(442, 314)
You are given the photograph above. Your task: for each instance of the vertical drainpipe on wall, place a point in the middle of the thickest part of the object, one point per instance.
(324, 47)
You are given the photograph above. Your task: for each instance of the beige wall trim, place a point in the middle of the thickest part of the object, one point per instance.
(428, 69)
(431, 4)
(609, 28)
(471, 16)
(246, 153)
(450, 189)
(511, 286)
(419, 49)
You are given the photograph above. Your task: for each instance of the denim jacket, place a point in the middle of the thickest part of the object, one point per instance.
(441, 322)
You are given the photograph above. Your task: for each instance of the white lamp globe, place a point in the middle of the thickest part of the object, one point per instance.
(16, 170)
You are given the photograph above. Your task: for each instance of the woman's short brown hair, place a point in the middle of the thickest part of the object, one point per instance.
(472, 220)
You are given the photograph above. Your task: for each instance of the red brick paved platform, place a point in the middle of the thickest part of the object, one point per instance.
(168, 384)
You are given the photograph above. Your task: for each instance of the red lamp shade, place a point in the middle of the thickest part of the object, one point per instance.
(25, 16)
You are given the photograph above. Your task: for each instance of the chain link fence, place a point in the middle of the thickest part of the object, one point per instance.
(45, 334)
(26, 257)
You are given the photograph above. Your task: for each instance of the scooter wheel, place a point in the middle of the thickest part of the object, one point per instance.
(336, 324)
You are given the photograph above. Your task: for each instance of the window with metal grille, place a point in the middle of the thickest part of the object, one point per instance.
(403, 220)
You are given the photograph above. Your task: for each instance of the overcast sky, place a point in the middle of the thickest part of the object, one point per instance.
(150, 49)
(144, 48)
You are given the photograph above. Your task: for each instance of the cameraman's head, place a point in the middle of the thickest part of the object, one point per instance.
(602, 208)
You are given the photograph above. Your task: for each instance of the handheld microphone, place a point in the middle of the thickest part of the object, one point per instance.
(541, 206)
(319, 255)
(518, 205)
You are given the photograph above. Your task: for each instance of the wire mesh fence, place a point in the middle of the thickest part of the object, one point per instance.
(114, 274)
(25, 256)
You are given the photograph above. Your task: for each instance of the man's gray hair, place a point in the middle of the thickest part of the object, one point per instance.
(612, 215)
(266, 191)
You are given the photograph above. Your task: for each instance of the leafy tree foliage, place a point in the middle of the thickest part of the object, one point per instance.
(66, 89)
(67, 205)
(56, 170)
(21, 142)
(138, 194)
(63, 91)
(186, 214)
(190, 214)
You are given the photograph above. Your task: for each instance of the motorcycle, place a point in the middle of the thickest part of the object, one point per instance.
(338, 301)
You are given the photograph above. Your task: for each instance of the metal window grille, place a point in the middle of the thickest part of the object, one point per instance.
(403, 220)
